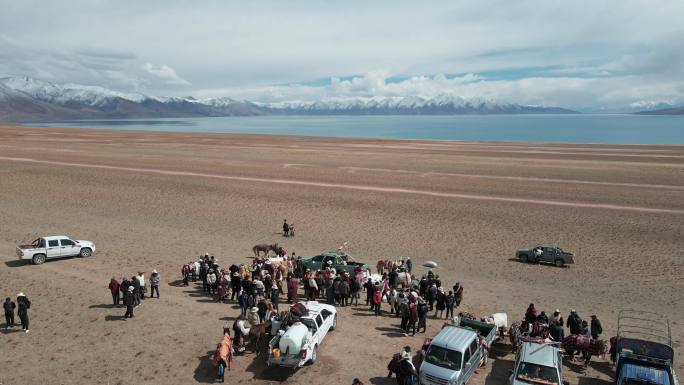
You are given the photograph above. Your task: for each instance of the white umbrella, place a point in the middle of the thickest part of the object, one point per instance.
(430, 264)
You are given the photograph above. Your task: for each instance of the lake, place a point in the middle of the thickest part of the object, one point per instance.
(614, 129)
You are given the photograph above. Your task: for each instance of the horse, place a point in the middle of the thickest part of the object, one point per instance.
(499, 320)
(258, 335)
(223, 355)
(264, 248)
(587, 345)
(404, 279)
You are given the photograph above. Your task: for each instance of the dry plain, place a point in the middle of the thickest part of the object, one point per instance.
(150, 200)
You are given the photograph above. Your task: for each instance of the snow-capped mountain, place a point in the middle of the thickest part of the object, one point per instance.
(25, 98)
(444, 104)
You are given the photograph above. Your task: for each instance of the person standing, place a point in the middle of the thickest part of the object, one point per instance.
(574, 323)
(441, 303)
(286, 228)
(236, 283)
(413, 319)
(129, 301)
(23, 304)
(377, 300)
(409, 265)
(135, 284)
(370, 289)
(450, 302)
(596, 328)
(458, 293)
(405, 314)
(422, 314)
(431, 296)
(154, 283)
(354, 288)
(114, 287)
(143, 284)
(9, 307)
(292, 287)
(275, 297)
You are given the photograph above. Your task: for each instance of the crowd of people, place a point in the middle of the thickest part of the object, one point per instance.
(22, 306)
(131, 291)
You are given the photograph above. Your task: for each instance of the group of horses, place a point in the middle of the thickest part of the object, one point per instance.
(521, 331)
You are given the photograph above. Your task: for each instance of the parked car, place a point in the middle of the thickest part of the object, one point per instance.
(299, 342)
(337, 262)
(455, 353)
(546, 254)
(59, 246)
(538, 363)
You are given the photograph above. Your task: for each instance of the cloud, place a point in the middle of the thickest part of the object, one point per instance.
(166, 73)
(585, 53)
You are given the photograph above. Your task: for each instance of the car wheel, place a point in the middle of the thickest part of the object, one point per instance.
(334, 324)
(559, 262)
(524, 258)
(38, 259)
(86, 252)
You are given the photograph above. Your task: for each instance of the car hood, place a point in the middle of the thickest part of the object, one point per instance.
(427, 368)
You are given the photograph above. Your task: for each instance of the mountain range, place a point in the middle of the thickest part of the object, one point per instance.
(25, 99)
(664, 111)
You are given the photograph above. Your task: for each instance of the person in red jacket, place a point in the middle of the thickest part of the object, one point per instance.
(114, 288)
(377, 300)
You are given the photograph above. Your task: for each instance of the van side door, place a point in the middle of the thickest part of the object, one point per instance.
(53, 250)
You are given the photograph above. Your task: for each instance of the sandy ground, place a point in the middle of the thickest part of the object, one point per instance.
(151, 200)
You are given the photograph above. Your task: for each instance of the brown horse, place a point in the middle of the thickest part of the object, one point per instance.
(258, 336)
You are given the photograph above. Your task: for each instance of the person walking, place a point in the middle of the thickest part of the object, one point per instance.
(450, 302)
(129, 301)
(9, 307)
(596, 328)
(23, 305)
(114, 288)
(154, 283)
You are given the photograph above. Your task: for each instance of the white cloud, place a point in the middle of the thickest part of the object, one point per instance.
(247, 48)
(166, 73)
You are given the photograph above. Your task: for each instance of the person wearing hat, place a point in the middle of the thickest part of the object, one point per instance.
(23, 304)
(357, 382)
(574, 323)
(407, 372)
(440, 300)
(9, 307)
(596, 328)
(240, 332)
(422, 309)
(556, 326)
(154, 283)
(253, 316)
(129, 301)
(286, 228)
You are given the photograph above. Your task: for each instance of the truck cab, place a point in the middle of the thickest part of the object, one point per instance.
(643, 349)
(455, 353)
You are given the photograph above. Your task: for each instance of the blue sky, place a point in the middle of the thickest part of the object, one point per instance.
(588, 55)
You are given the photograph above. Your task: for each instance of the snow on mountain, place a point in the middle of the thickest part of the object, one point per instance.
(52, 101)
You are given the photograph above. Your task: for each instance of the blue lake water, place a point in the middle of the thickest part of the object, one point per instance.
(628, 129)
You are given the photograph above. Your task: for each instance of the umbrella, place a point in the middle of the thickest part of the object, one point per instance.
(430, 264)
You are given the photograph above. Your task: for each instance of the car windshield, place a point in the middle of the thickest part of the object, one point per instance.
(444, 358)
(537, 374)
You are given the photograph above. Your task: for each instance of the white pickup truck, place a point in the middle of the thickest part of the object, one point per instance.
(58, 246)
(297, 344)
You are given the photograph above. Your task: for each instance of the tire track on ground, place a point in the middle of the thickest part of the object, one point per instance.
(367, 188)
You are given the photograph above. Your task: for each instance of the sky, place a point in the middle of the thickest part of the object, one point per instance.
(587, 55)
